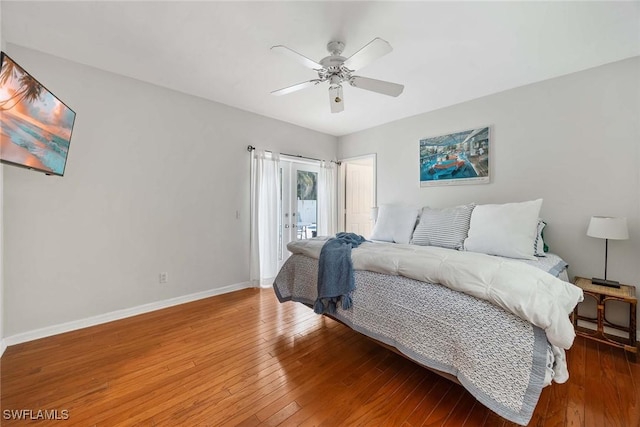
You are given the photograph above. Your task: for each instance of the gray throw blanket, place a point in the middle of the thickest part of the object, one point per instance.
(335, 273)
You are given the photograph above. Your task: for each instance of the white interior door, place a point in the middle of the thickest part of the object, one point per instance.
(359, 192)
(299, 204)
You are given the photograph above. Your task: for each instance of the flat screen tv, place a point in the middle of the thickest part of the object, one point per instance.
(35, 126)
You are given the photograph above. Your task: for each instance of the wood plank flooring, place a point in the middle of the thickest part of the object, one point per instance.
(245, 359)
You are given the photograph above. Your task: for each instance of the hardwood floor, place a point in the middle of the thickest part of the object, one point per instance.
(245, 359)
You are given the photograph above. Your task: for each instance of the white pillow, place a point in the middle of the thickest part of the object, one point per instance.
(507, 230)
(395, 223)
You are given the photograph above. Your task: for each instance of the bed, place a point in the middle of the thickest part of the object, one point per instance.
(497, 325)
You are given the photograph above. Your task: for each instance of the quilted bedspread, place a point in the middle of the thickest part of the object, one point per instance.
(519, 288)
(499, 357)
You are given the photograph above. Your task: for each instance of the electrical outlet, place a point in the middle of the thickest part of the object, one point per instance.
(164, 277)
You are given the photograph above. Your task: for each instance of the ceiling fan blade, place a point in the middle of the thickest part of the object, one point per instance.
(335, 99)
(380, 86)
(370, 52)
(296, 87)
(309, 63)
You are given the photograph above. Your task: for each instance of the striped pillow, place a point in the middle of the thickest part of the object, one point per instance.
(539, 243)
(446, 228)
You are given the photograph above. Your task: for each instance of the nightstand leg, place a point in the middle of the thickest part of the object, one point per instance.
(632, 325)
(601, 318)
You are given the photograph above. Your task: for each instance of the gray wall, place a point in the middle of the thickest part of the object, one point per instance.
(573, 141)
(153, 182)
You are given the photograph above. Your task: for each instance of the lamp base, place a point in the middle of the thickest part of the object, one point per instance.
(604, 282)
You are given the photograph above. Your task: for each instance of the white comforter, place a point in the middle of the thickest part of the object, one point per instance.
(521, 289)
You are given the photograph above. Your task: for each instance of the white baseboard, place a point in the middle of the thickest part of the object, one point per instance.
(3, 346)
(263, 283)
(267, 283)
(117, 315)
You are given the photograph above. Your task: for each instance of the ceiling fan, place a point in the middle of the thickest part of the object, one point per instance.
(337, 69)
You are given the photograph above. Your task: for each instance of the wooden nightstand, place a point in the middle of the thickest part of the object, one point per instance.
(602, 294)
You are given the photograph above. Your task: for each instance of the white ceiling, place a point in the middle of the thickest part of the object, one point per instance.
(444, 52)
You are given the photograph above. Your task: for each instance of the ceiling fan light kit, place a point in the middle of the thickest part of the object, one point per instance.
(335, 98)
(337, 69)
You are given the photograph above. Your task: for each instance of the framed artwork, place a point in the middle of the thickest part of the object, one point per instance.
(456, 158)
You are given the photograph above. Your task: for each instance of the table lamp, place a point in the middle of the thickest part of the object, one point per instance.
(604, 227)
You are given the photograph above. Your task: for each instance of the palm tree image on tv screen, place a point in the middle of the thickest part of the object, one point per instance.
(35, 125)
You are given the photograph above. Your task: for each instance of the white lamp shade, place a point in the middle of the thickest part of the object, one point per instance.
(605, 227)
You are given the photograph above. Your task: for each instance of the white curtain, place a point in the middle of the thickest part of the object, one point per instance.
(327, 199)
(265, 196)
